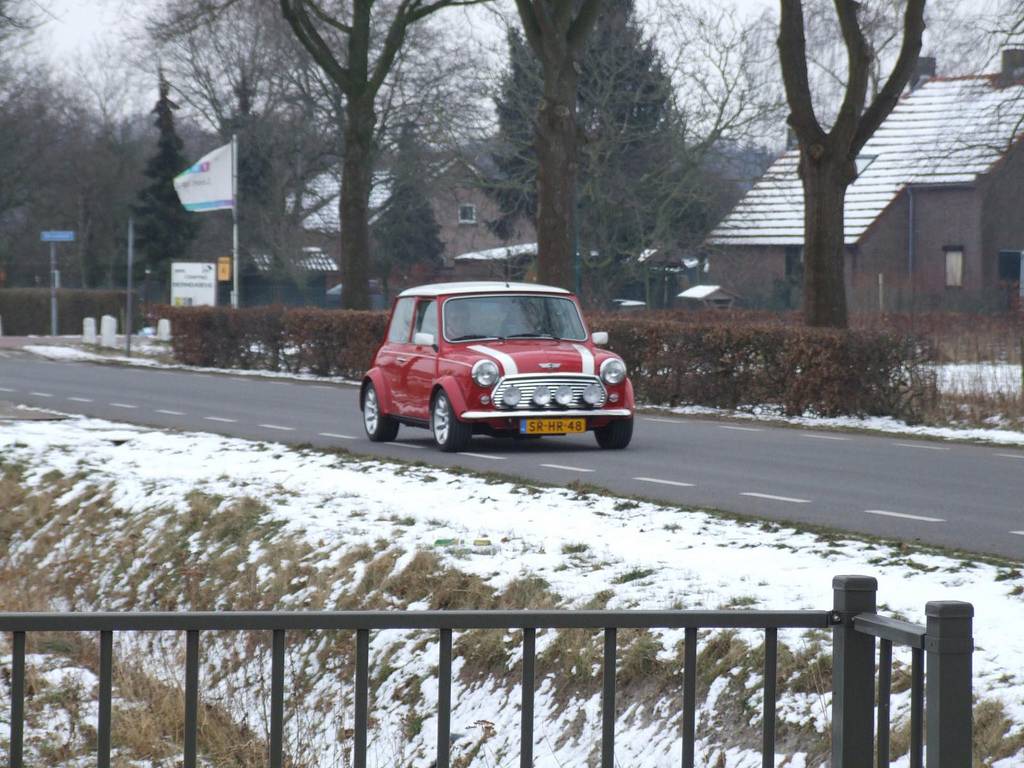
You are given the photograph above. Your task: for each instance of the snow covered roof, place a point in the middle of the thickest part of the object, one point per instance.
(325, 190)
(947, 131)
(502, 253)
(702, 292)
(447, 289)
(310, 260)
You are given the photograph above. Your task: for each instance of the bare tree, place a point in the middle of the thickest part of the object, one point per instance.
(356, 44)
(828, 158)
(556, 31)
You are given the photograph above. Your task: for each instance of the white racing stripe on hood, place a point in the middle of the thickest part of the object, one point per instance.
(508, 365)
(588, 359)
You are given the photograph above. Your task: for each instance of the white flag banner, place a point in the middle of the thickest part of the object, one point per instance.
(207, 185)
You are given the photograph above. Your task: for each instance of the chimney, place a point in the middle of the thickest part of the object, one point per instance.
(924, 71)
(1013, 66)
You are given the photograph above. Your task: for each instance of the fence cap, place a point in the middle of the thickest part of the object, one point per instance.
(949, 609)
(855, 583)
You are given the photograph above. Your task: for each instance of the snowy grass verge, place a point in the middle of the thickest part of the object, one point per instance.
(131, 518)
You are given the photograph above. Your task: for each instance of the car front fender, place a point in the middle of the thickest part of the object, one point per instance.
(455, 396)
(376, 377)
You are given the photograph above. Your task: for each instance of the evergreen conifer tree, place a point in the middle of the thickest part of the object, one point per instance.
(164, 229)
(407, 233)
(638, 185)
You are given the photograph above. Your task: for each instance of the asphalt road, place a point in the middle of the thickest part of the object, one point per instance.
(968, 497)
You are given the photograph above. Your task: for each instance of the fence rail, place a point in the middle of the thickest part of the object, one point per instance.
(946, 639)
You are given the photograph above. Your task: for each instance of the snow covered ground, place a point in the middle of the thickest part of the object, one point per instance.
(980, 378)
(644, 555)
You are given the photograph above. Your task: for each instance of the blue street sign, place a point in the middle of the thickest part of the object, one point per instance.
(57, 236)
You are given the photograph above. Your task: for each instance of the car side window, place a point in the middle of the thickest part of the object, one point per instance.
(401, 321)
(426, 318)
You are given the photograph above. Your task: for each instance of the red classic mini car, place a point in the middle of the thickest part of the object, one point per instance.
(497, 359)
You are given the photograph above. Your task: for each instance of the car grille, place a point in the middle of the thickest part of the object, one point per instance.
(529, 384)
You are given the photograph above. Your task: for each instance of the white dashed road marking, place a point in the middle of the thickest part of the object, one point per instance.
(123, 405)
(337, 436)
(740, 429)
(1004, 455)
(770, 497)
(903, 515)
(566, 469)
(220, 418)
(663, 421)
(80, 399)
(1017, 533)
(170, 413)
(482, 456)
(275, 426)
(925, 447)
(41, 394)
(7, 389)
(824, 437)
(676, 483)
(406, 445)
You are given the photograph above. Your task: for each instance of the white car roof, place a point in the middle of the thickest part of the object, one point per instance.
(448, 289)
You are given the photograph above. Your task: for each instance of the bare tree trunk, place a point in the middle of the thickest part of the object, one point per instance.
(356, 183)
(556, 178)
(825, 182)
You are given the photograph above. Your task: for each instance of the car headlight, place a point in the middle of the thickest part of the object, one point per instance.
(510, 397)
(563, 396)
(542, 397)
(592, 394)
(613, 371)
(485, 373)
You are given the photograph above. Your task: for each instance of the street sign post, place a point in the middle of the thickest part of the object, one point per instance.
(54, 236)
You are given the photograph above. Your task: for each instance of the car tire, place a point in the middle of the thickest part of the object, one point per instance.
(449, 433)
(380, 427)
(616, 435)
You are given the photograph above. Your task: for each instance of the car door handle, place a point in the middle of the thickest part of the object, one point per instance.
(401, 359)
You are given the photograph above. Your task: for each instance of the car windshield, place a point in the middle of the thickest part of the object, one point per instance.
(512, 317)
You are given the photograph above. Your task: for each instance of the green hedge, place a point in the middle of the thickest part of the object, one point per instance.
(726, 363)
(26, 311)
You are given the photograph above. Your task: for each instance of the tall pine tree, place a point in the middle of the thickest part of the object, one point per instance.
(164, 229)
(638, 186)
(407, 234)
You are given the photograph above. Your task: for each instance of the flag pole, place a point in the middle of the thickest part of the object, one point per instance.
(234, 221)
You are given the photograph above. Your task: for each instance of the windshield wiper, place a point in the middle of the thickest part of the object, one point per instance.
(532, 336)
(470, 337)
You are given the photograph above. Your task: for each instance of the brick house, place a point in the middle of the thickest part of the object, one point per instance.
(461, 207)
(933, 221)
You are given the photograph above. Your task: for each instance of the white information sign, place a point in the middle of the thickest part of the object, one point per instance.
(193, 284)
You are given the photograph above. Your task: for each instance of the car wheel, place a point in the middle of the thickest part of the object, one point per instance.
(380, 427)
(450, 434)
(616, 435)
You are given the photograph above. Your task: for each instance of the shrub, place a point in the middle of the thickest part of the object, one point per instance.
(723, 360)
(323, 341)
(26, 311)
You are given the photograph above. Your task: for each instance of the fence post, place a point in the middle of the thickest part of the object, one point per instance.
(949, 645)
(853, 673)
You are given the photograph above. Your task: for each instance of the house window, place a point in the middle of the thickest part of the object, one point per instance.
(1009, 266)
(467, 214)
(954, 267)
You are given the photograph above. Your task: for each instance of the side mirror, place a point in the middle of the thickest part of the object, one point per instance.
(423, 339)
(600, 338)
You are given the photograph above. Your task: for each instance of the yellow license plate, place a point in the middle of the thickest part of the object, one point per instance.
(551, 426)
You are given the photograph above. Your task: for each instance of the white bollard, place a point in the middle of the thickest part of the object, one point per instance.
(89, 330)
(163, 329)
(108, 331)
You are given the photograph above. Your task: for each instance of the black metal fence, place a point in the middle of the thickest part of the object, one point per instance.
(941, 669)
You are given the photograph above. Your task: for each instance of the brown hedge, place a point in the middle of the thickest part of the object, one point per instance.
(322, 341)
(26, 311)
(720, 361)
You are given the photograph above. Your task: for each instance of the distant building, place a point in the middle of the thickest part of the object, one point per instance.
(462, 209)
(934, 219)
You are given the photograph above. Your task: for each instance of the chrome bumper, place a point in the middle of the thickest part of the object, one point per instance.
(551, 414)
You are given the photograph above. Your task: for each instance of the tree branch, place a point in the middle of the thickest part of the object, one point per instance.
(793, 58)
(859, 57)
(294, 12)
(883, 103)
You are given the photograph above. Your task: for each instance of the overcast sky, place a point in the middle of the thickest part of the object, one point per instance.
(75, 26)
